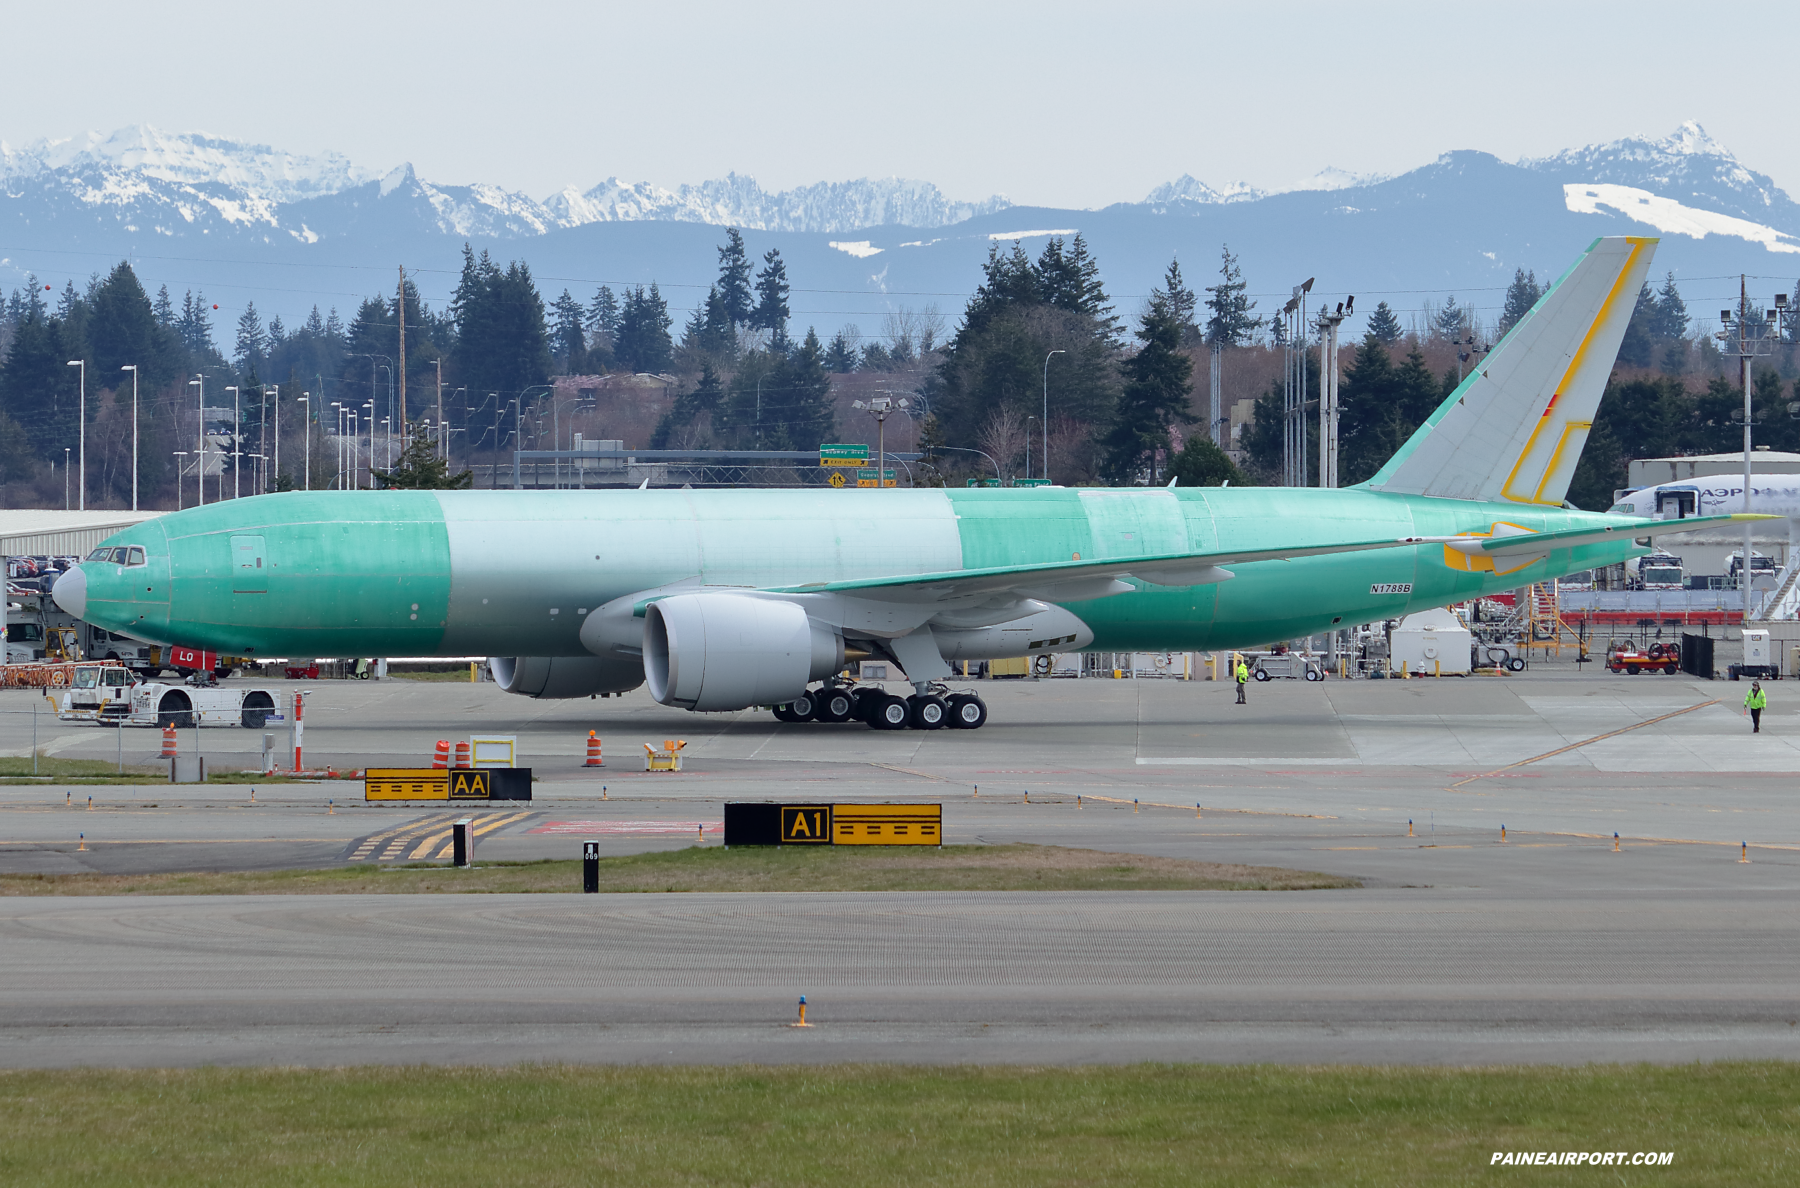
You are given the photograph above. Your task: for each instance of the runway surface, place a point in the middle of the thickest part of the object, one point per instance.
(1547, 946)
(1417, 976)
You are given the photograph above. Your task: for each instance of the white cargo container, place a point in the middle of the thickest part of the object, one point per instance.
(1433, 641)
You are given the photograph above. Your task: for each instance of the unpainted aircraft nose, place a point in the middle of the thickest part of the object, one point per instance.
(70, 592)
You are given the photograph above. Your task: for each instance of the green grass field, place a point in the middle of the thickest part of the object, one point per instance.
(714, 868)
(1143, 1125)
(51, 770)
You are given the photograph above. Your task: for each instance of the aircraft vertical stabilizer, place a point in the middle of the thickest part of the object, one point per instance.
(1514, 429)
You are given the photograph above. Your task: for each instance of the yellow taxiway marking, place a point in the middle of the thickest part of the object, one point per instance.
(1584, 742)
(481, 830)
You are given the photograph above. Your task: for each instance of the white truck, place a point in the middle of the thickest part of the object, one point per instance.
(108, 693)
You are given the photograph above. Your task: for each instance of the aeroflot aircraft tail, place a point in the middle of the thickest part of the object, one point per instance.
(1514, 429)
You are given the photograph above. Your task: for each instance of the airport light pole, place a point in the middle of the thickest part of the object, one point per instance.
(371, 407)
(881, 407)
(200, 382)
(306, 427)
(1328, 389)
(133, 369)
(1752, 339)
(81, 363)
(439, 364)
(237, 421)
(1028, 421)
(1045, 423)
(337, 479)
(275, 466)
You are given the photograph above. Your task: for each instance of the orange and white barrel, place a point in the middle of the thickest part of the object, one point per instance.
(593, 752)
(168, 750)
(441, 760)
(462, 755)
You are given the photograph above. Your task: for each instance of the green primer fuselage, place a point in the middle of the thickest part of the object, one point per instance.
(512, 573)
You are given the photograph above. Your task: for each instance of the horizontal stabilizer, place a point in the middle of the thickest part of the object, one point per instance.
(1515, 543)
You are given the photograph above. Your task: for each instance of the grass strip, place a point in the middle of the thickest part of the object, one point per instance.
(714, 868)
(52, 770)
(872, 1126)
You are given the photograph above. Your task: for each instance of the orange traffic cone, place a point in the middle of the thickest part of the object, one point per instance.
(441, 760)
(462, 755)
(593, 755)
(168, 751)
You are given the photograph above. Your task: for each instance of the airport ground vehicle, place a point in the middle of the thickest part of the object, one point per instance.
(1659, 658)
(108, 693)
(1287, 666)
(1759, 658)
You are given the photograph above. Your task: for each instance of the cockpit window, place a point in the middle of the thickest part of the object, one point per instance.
(1621, 507)
(134, 555)
(105, 554)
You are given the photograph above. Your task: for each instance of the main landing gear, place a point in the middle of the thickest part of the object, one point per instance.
(933, 709)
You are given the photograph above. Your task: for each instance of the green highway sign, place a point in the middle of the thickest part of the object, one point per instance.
(865, 477)
(839, 454)
(1031, 482)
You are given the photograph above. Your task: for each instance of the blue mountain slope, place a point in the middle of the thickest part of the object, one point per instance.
(287, 233)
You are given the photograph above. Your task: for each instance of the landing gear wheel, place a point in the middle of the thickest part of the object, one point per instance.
(785, 713)
(967, 712)
(926, 712)
(863, 703)
(835, 705)
(890, 713)
(804, 707)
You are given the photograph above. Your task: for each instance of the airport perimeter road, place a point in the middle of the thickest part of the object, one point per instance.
(1386, 976)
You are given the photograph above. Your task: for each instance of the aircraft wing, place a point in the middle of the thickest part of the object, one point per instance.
(1078, 580)
(1522, 542)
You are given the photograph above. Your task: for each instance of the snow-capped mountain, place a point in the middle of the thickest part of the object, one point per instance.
(228, 211)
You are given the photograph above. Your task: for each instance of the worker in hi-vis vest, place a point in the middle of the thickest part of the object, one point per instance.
(1756, 701)
(1242, 673)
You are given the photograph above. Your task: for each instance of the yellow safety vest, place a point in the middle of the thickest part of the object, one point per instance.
(1756, 699)
(1243, 673)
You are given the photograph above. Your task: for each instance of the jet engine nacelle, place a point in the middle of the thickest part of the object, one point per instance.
(730, 652)
(557, 677)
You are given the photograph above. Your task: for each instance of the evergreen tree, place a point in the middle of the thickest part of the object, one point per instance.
(195, 327)
(807, 413)
(165, 308)
(642, 342)
(1449, 320)
(1155, 394)
(568, 338)
(689, 407)
(771, 312)
(1671, 312)
(734, 278)
(1203, 464)
(603, 316)
(1230, 322)
(1521, 295)
(1181, 302)
(420, 469)
(502, 343)
(840, 355)
(1636, 347)
(1384, 327)
(123, 329)
(252, 341)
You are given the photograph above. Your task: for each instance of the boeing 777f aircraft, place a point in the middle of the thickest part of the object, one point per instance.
(725, 599)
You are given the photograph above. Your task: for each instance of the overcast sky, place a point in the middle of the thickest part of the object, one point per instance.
(1049, 103)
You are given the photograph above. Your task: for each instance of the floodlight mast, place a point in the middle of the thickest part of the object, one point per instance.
(1750, 338)
(1328, 389)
